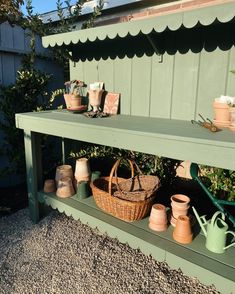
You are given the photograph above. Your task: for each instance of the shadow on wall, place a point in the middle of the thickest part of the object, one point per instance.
(209, 38)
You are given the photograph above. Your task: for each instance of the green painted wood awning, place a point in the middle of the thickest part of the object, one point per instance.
(205, 16)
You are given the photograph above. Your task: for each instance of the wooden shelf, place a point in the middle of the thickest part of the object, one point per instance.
(171, 138)
(194, 259)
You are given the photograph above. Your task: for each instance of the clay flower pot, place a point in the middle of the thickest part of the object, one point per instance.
(232, 115)
(65, 188)
(95, 98)
(183, 232)
(82, 170)
(67, 99)
(158, 218)
(63, 171)
(75, 101)
(221, 114)
(180, 206)
(49, 186)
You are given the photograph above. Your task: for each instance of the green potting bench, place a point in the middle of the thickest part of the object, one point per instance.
(172, 138)
(168, 69)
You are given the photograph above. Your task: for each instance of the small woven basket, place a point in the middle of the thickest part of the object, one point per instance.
(103, 190)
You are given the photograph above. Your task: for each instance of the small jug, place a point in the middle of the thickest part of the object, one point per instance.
(216, 233)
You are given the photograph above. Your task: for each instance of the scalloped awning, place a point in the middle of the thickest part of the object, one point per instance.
(188, 19)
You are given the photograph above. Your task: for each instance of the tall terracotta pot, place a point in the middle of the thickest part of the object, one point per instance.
(95, 98)
(221, 112)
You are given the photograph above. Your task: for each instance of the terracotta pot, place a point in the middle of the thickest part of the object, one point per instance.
(221, 112)
(49, 186)
(65, 188)
(158, 218)
(67, 99)
(180, 206)
(82, 170)
(232, 115)
(95, 98)
(63, 171)
(75, 101)
(183, 232)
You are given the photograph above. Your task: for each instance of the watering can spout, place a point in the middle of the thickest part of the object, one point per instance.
(201, 220)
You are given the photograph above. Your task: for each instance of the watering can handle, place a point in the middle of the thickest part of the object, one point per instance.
(232, 244)
(215, 215)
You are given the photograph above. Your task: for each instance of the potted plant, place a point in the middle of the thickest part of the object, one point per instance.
(74, 91)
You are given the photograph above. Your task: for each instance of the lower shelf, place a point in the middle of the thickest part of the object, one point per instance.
(193, 259)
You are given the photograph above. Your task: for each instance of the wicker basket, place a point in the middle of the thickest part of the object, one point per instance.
(103, 189)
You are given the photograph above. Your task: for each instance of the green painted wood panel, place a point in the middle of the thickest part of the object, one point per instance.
(212, 79)
(184, 85)
(106, 74)
(76, 70)
(141, 85)
(90, 71)
(230, 87)
(180, 87)
(122, 82)
(161, 90)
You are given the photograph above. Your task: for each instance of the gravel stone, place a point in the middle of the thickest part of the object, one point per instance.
(60, 255)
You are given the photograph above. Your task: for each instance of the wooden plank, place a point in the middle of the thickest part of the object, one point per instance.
(161, 90)
(6, 35)
(122, 82)
(230, 85)
(90, 71)
(8, 69)
(106, 74)
(170, 138)
(18, 38)
(76, 70)
(34, 171)
(141, 86)
(184, 85)
(212, 80)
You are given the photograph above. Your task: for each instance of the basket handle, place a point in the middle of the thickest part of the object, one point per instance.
(114, 170)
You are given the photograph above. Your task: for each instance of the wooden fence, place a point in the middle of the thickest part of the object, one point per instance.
(14, 44)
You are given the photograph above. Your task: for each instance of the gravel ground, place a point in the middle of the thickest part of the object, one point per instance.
(61, 255)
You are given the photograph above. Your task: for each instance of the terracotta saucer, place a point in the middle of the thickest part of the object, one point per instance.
(77, 109)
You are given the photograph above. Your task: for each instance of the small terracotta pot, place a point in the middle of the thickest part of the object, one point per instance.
(65, 188)
(75, 101)
(180, 201)
(82, 170)
(63, 171)
(183, 232)
(221, 112)
(49, 186)
(95, 98)
(158, 218)
(180, 206)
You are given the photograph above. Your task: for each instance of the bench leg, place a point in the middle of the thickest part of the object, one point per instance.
(34, 171)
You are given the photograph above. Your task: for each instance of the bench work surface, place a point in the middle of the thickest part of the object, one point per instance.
(171, 138)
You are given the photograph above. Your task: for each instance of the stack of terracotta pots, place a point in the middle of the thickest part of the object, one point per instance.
(158, 218)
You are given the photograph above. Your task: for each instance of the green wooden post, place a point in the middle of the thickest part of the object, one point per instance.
(34, 171)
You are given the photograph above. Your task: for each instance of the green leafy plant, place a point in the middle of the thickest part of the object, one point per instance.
(221, 182)
(28, 92)
(164, 168)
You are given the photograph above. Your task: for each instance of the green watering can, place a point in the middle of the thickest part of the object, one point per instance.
(217, 202)
(216, 233)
